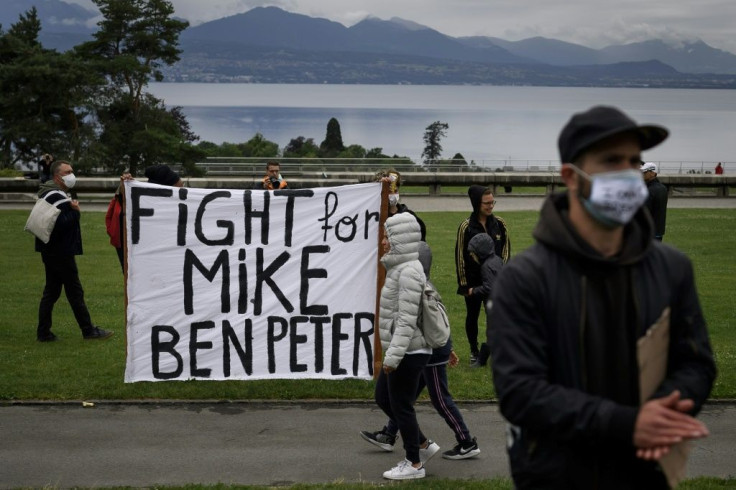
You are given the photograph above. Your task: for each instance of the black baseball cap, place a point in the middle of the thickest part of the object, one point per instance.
(587, 128)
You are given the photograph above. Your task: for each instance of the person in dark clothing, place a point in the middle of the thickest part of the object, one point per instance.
(568, 313)
(44, 167)
(657, 202)
(483, 250)
(482, 220)
(58, 257)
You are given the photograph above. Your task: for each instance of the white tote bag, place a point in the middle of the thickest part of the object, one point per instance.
(43, 217)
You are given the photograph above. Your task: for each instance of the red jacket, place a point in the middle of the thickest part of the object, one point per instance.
(113, 220)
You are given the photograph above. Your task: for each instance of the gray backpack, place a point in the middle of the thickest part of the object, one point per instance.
(433, 319)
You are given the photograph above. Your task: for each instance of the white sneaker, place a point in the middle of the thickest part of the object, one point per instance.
(429, 451)
(404, 471)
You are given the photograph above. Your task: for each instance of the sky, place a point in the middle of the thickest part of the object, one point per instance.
(592, 23)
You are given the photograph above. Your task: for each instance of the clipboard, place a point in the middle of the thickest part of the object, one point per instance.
(652, 352)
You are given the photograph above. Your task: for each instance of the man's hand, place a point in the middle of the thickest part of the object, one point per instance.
(74, 204)
(388, 369)
(663, 422)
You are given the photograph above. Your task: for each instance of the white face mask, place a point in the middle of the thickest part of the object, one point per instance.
(393, 199)
(69, 180)
(615, 197)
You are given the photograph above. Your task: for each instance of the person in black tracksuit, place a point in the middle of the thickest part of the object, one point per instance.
(568, 313)
(482, 220)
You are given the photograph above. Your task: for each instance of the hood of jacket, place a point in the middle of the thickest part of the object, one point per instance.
(555, 230)
(475, 193)
(49, 185)
(483, 246)
(403, 234)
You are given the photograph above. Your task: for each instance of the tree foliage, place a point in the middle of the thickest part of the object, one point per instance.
(134, 40)
(45, 97)
(332, 144)
(432, 135)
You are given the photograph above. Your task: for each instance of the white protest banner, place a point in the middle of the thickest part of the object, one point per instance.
(251, 284)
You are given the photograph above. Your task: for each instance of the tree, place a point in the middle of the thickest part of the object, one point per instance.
(135, 39)
(258, 146)
(432, 146)
(45, 97)
(459, 159)
(301, 147)
(332, 145)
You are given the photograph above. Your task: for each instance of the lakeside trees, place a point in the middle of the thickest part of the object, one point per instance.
(89, 105)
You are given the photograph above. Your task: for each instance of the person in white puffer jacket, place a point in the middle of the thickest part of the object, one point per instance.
(406, 351)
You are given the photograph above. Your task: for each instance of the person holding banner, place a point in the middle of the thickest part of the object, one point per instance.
(405, 351)
(393, 178)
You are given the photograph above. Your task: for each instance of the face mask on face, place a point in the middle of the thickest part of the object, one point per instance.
(69, 180)
(393, 199)
(615, 197)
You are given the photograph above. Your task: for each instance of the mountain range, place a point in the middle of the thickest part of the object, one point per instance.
(268, 44)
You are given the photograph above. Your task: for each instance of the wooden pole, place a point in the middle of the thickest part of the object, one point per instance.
(380, 279)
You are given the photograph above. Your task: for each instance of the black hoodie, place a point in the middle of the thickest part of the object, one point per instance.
(564, 326)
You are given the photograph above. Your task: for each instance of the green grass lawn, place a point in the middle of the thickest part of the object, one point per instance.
(73, 369)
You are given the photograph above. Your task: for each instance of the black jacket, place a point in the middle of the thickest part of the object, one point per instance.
(66, 239)
(468, 270)
(657, 205)
(563, 333)
(490, 264)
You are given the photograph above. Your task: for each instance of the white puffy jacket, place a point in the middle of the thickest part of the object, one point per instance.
(402, 291)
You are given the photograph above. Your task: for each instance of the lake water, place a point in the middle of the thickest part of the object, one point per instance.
(487, 124)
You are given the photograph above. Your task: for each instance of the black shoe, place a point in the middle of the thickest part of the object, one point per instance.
(97, 334)
(463, 450)
(49, 337)
(379, 438)
(473, 358)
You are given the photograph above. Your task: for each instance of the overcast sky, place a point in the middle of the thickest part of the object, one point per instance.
(593, 23)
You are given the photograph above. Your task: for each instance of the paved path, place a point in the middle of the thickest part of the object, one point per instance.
(146, 445)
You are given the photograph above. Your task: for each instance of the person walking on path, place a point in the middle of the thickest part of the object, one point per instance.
(405, 351)
(434, 377)
(481, 220)
(569, 312)
(58, 257)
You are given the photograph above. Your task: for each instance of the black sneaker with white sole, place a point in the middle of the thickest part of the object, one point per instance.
(463, 450)
(379, 438)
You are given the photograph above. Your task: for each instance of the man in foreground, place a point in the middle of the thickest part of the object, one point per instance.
(58, 257)
(567, 314)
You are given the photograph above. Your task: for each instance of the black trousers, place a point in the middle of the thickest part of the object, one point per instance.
(396, 394)
(61, 271)
(472, 313)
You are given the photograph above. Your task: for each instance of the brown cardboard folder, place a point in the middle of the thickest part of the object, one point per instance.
(651, 353)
